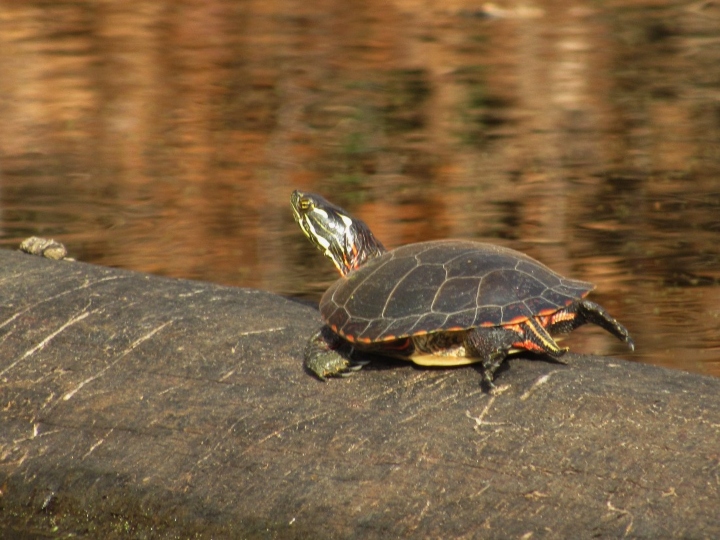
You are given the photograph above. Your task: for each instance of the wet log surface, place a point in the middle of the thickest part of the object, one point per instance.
(138, 406)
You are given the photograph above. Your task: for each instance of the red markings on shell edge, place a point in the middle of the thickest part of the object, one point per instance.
(453, 329)
(516, 320)
(352, 339)
(335, 329)
(385, 339)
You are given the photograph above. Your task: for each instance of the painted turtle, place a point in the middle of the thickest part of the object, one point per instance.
(439, 303)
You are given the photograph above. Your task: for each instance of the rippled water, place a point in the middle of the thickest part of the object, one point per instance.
(166, 137)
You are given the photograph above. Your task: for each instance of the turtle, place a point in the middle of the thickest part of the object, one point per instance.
(436, 303)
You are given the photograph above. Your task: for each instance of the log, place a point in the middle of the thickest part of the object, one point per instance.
(146, 407)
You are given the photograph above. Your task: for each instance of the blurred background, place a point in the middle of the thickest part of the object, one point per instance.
(166, 136)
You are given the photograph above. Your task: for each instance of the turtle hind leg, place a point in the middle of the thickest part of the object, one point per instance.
(492, 346)
(536, 338)
(328, 355)
(585, 311)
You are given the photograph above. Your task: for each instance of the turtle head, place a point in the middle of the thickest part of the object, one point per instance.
(346, 241)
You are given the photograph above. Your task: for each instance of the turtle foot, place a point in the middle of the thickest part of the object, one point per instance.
(326, 355)
(328, 364)
(333, 364)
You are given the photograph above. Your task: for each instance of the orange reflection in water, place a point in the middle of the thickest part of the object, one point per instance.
(166, 137)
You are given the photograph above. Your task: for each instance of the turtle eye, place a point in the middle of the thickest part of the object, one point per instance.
(305, 204)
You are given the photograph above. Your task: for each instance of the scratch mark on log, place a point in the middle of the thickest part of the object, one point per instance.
(228, 432)
(36, 434)
(355, 445)
(51, 298)
(441, 404)
(94, 446)
(263, 331)
(278, 432)
(481, 491)
(410, 383)
(251, 332)
(417, 519)
(542, 380)
(623, 512)
(227, 375)
(40, 346)
(480, 420)
(171, 389)
(6, 453)
(191, 293)
(11, 277)
(122, 355)
(424, 510)
(6, 336)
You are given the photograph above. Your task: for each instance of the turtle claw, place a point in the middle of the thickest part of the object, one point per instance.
(557, 357)
(353, 367)
(489, 366)
(487, 378)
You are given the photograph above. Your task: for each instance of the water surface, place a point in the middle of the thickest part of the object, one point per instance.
(166, 137)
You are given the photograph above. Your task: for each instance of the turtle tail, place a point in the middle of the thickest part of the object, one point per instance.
(585, 311)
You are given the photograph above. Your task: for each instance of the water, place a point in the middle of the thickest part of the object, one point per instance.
(166, 137)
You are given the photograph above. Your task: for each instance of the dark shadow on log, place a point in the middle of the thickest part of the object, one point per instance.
(137, 406)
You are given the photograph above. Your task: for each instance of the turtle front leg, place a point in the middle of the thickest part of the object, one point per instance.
(492, 345)
(328, 355)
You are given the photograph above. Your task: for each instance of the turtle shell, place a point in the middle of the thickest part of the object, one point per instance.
(444, 286)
